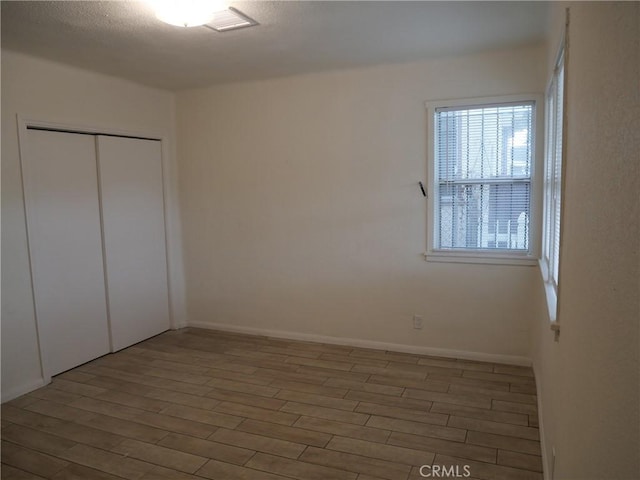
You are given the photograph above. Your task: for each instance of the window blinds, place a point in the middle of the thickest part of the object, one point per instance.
(554, 175)
(483, 164)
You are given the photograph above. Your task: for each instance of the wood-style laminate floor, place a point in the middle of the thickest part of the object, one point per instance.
(194, 404)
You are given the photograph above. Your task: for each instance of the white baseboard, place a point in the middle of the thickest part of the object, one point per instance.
(20, 390)
(356, 342)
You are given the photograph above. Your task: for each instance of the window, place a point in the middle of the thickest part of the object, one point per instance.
(481, 170)
(550, 260)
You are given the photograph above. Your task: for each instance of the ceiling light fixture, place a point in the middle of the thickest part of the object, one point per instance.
(187, 13)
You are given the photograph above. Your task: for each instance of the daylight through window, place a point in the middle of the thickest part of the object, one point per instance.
(553, 177)
(483, 163)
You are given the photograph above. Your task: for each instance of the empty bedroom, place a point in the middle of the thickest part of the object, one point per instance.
(316, 240)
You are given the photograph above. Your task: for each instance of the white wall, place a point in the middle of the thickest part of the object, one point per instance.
(302, 212)
(43, 90)
(588, 382)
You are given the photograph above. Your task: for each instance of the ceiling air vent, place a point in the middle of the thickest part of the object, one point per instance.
(230, 19)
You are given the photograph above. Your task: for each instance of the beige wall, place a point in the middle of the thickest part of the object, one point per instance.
(589, 380)
(302, 212)
(42, 90)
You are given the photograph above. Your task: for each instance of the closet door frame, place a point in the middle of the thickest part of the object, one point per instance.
(25, 123)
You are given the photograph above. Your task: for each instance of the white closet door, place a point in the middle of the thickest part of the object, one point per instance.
(134, 238)
(61, 191)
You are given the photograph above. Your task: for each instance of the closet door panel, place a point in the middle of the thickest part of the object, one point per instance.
(134, 238)
(61, 191)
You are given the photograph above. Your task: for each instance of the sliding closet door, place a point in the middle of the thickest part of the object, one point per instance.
(134, 238)
(61, 192)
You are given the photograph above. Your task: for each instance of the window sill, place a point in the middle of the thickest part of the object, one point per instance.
(552, 300)
(442, 256)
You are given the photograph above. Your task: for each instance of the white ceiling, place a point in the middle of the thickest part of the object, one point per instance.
(123, 38)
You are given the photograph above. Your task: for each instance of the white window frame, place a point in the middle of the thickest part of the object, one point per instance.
(554, 184)
(493, 257)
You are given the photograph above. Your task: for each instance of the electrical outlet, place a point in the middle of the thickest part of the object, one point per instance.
(417, 322)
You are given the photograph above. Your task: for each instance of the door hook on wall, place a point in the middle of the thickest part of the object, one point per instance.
(424, 193)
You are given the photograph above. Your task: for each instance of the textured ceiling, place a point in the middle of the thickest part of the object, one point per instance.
(123, 38)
